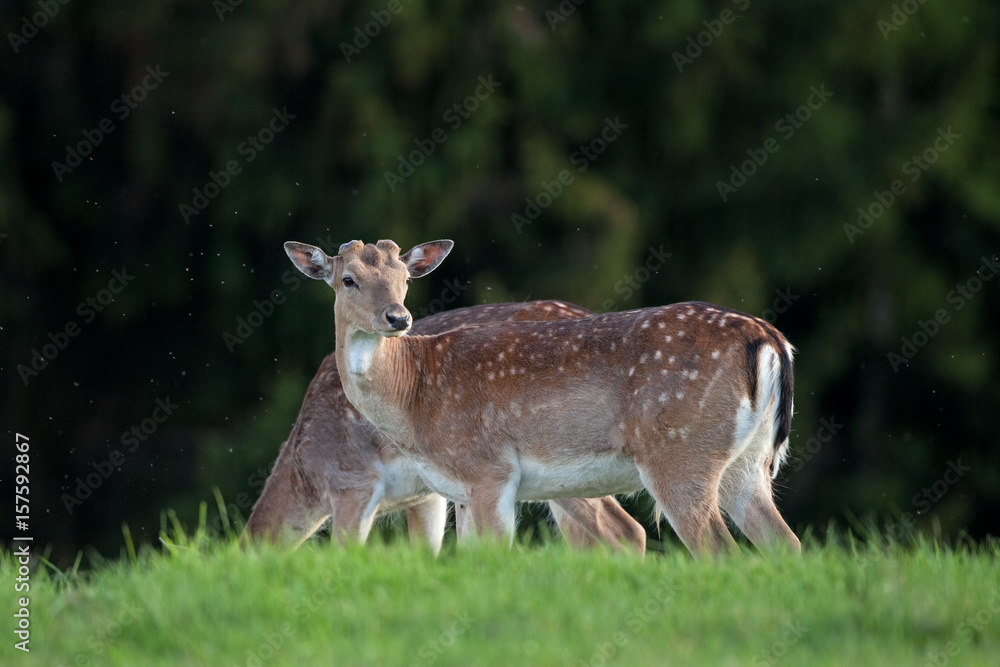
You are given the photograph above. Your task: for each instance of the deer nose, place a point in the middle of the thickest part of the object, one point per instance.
(398, 318)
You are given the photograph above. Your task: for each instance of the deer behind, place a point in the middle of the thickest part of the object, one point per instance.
(337, 466)
(691, 401)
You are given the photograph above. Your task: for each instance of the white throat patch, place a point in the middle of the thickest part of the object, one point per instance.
(361, 351)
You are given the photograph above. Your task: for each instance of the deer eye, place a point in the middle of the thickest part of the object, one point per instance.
(348, 281)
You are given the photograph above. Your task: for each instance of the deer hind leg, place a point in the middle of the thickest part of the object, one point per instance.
(425, 521)
(746, 496)
(588, 522)
(687, 491)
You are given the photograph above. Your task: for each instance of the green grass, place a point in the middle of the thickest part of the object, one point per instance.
(210, 603)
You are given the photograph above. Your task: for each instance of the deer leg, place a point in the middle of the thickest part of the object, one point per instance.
(464, 527)
(354, 512)
(587, 522)
(573, 522)
(746, 497)
(492, 506)
(691, 505)
(425, 521)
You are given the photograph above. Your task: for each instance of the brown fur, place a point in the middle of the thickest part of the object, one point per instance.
(666, 397)
(329, 466)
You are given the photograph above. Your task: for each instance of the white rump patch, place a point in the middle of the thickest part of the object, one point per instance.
(758, 428)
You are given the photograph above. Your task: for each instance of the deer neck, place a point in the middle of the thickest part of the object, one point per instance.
(377, 375)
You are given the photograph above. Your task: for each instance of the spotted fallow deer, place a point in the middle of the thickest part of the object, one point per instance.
(337, 466)
(691, 401)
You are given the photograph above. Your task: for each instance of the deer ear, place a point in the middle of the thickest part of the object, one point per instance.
(310, 260)
(424, 258)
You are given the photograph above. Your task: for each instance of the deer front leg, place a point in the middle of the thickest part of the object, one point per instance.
(492, 505)
(463, 522)
(353, 512)
(425, 521)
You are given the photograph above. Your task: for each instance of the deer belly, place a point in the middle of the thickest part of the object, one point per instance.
(402, 484)
(440, 482)
(584, 477)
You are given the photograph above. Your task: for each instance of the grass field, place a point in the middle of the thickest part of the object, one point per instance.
(209, 603)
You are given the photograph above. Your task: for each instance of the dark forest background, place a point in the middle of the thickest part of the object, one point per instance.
(831, 166)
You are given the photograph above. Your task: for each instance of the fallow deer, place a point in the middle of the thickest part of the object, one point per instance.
(336, 465)
(691, 401)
